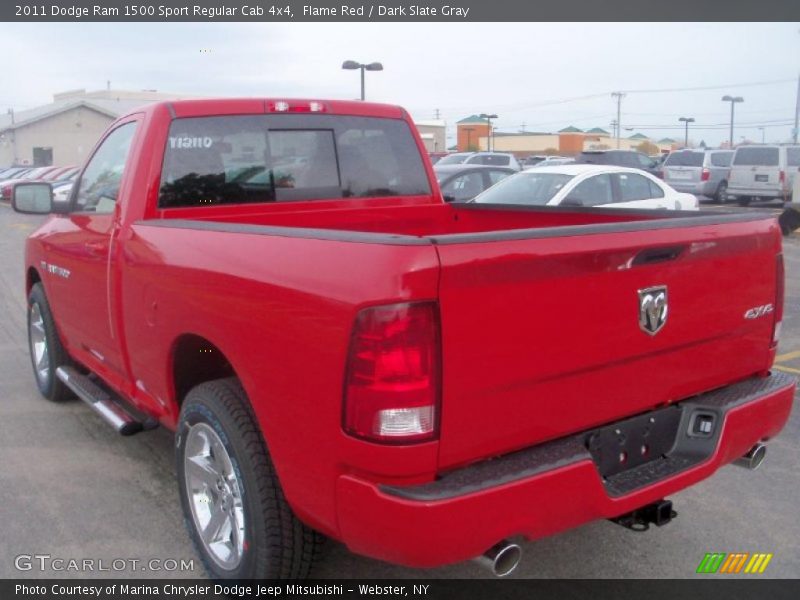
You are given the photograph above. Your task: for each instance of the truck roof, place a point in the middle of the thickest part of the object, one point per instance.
(233, 106)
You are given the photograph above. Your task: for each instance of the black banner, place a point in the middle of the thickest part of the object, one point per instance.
(399, 10)
(493, 589)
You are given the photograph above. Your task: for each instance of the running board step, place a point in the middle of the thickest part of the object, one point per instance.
(103, 404)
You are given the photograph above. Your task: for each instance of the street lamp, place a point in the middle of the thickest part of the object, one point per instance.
(686, 120)
(733, 100)
(763, 137)
(489, 121)
(351, 65)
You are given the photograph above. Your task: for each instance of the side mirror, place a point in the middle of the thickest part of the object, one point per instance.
(571, 202)
(33, 198)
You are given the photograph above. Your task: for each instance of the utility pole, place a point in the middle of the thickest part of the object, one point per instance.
(13, 138)
(619, 96)
(796, 112)
(614, 127)
(437, 114)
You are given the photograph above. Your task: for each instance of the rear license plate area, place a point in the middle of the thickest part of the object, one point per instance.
(627, 444)
(762, 178)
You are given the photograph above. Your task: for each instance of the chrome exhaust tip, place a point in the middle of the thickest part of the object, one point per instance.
(753, 459)
(501, 559)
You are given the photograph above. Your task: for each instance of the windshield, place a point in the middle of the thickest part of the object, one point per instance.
(685, 159)
(454, 159)
(525, 188)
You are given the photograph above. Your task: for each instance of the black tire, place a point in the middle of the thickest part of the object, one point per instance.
(50, 386)
(743, 200)
(276, 544)
(721, 195)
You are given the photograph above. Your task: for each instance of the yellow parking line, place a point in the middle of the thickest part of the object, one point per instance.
(786, 369)
(787, 356)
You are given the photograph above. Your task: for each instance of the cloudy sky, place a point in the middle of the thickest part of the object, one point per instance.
(536, 76)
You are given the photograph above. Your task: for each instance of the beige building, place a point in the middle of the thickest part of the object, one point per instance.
(64, 132)
(568, 142)
(433, 134)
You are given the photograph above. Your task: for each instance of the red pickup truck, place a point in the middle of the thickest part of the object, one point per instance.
(343, 354)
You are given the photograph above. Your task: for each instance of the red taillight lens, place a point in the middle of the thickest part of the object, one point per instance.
(705, 175)
(296, 106)
(392, 382)
(779, 292)
(6, 192)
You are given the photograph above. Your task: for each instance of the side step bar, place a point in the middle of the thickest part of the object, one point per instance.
(102, 403)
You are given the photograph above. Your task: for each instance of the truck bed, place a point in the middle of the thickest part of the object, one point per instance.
(436, 221)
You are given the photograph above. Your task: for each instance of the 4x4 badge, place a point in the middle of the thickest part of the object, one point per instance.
(653, 309)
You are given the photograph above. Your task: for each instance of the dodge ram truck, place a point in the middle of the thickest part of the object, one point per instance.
(342, 354)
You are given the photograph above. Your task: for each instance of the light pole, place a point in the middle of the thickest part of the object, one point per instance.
(733, 100)
(763, 137)
(352, 65)
(489, 137)
(469, 131)
(686, 120)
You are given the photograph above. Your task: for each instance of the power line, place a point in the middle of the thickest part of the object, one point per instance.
(710, 87)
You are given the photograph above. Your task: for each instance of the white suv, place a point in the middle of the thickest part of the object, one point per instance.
(763, 172)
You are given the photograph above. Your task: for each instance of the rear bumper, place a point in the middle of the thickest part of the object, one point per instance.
(551, 487)
(702, 188)
(760, 192)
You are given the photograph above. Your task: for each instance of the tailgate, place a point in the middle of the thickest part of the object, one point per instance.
(541, 337)
(756, 177)
(681, 175)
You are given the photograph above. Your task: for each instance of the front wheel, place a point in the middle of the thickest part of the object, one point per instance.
(47, 352)
(233, 504)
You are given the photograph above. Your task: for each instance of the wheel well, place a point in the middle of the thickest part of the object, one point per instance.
(195, 360)
(31, 279)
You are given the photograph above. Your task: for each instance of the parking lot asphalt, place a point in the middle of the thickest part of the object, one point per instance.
(72, 488)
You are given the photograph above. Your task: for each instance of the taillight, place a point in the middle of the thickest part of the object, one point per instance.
(6, 193)
(779, 292)
(392, 382)
(705, 175)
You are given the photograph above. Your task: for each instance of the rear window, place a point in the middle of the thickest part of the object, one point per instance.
(530, 187)
(793, 156)
(595, 158)
(497, 160)
(685, 159)
(278, 158)
(756, 156)
(721, 159)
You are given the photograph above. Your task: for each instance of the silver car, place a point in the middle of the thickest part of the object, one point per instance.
(699, 172)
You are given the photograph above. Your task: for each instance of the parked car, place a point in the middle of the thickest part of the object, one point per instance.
(763, 172)
(460, 183)
(13, 173)
(620, 158)
(436, 156)
(347, 355)
(454, 158)
(497, 159)
(530, 161)
(587, 185)
(552, 161)
(700, 172)
(34, 174)
(59, 174)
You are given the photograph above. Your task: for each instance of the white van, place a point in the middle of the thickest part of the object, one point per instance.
(763, 172)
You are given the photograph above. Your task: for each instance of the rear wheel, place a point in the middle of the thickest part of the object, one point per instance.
(47, 352)
(233, 504)
(721, 195)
